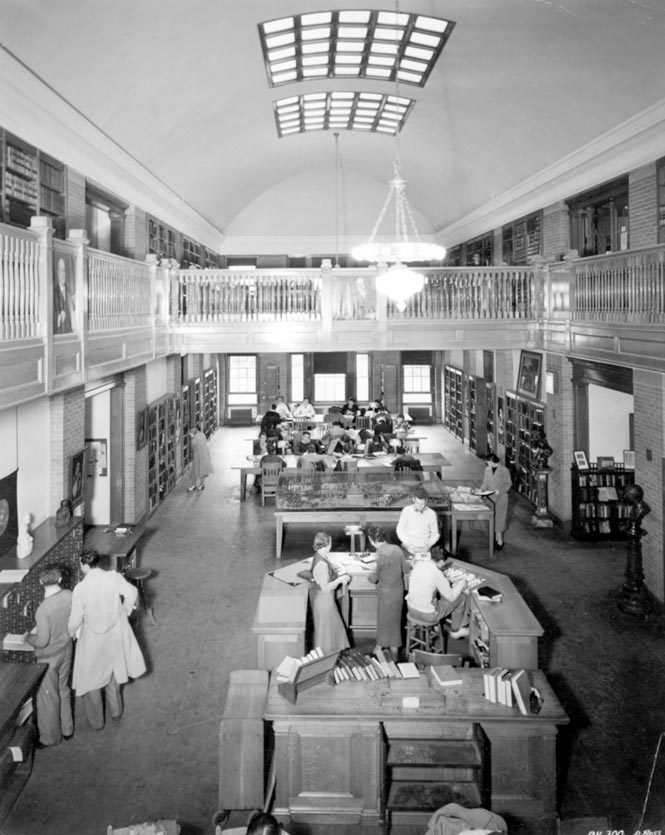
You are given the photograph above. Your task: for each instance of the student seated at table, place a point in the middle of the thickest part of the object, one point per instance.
(266, 460)
(304, 409)
(303, 442)
(432, 597)
(332, 438)
(382, 422)
(312, 462)
(401, 426)
(270, 420)
(350, 408)
(282, 408)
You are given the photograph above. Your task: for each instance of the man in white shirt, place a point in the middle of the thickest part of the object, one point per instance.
(432, 597)
(418, 525)
(282, 409)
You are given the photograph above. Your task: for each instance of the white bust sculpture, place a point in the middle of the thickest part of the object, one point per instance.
(25, 540)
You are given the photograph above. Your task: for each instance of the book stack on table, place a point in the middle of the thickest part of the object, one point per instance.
(512, 688)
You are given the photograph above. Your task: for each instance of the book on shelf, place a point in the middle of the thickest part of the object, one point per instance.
(607, 494)
(446, 675)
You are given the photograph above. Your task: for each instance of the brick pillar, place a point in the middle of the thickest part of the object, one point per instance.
(67, 437)
(643, 208)
(135, 463)
(556, 231)
(649, 396)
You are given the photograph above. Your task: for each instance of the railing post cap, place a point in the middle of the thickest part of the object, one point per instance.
(151, 258)
(41, 222)
(79, 236)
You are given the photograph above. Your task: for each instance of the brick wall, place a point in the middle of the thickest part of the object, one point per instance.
(649, 395)
(559, 430)
(642, 207)
(67, 437)
(556, 232)
(136, 461)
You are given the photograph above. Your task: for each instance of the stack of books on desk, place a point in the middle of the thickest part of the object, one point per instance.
(352, 665)
(288, 668)
(508, 687)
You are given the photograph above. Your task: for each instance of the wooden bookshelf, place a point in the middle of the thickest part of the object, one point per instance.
(521, 414)
(32, 184)
(185, 420)
(476, 399)
(162, 440)
(209, 402)
(453, 401)
(195, 401)
(490, 418)
(598, 509)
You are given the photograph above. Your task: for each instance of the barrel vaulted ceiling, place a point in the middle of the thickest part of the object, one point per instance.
(525, 95)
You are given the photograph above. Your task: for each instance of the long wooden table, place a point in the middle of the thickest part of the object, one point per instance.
(120, 549)
(331, 748)
(322, 507)
(431, 462)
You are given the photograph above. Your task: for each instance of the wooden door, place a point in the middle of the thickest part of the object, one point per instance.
(389, 387)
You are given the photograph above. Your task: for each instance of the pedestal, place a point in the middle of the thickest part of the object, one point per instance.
(634, 598)
(541, 518)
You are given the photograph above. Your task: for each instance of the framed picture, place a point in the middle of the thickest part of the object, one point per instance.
(605, 462)
(580, 460)
(528, 378)
(64, 297)
(141, 428)
(629, 459)
(77, 480)
(97, 457)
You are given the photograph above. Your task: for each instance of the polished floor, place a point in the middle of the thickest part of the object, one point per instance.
(209, 551)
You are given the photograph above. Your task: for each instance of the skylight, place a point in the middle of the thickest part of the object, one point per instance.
(379, 45)
(341, 110)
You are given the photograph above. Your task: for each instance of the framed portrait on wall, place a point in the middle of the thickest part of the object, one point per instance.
(605, 462)
(97, 457)
(141, 428)
(580, 460)
(528, 377)
(64, 293)
(77, 479)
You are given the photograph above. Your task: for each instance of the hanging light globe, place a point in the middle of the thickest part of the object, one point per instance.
(399, 283)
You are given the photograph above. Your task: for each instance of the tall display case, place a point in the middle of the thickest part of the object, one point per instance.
(521, 414)
(476, 394)
(453, 401)
(162, 438)
(490, 418)
(598, 509)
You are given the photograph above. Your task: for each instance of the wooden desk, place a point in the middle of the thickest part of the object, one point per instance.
(18, 684)
(482, 511)
(431, 462)
(280, 621)
(119, 548)
(331, 747)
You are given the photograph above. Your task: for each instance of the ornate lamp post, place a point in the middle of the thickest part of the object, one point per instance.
(634, 597)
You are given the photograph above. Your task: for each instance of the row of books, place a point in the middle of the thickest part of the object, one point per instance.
(353, 665)
(508, 687)
(289, 666)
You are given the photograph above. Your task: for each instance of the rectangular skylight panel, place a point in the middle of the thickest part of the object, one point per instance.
(385, 34)
(348, 59)
(393, 18)
(347, 70)
(320, 33)
(314, 60)
(286, 131)
(380, 61)
(409, 76)
(416, 66)
(280, 54)
(315, 18)
(419, 52)
(350, 16)
(315, 97)
(377, 72)
(282, 66)
(340, 95)
(280, 40)
(350, 46)
(272, 26)
(384, 48)
(315, 72)
(385, 129)
(433, 24)
(370, 97)
(425, 40)
(283, 77)
(352, 32)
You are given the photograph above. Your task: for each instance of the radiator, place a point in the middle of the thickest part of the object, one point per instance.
(241, 416)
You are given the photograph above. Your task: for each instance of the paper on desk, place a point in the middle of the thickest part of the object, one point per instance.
(289, 573)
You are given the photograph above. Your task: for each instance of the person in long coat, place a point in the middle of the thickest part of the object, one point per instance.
(497, 479)
(329, 630)
(107, 652)
(391, 568)
(201, 463)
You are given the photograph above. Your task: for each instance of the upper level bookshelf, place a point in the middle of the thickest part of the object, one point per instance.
(32, 184)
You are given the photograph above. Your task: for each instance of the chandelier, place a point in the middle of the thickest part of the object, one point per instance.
(398, 282)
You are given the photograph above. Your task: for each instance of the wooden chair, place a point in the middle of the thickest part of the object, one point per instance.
(363, 422)
(270, 474)
(423, 659)
(302, 424)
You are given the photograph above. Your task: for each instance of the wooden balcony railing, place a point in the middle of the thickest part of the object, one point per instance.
(624, 287)
(19, 284)
(120, 292)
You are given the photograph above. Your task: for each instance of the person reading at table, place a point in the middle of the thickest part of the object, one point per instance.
(388, 576)
(329, 630)
(303, 442)
(304, 409)
(271, 420)
(282, 409)
(418, 525)
(432, 597)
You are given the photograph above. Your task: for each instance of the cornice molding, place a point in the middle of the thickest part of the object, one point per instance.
(631, 144)
(36, 113)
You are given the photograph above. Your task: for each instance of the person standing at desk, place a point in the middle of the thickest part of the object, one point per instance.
(201, 464)
(418, 525)
(391, 568)
(107, 652)
(53, 646)
(497, 479)
(329, 630)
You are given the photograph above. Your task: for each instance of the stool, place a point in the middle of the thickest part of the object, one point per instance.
(352, 536)
(137, 576)
(421, 634)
